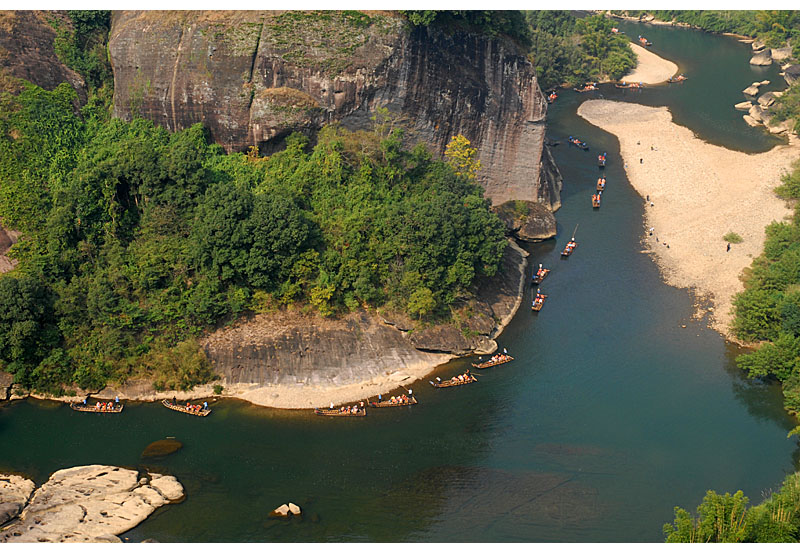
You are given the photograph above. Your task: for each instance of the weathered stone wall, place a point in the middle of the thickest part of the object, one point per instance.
(238, 73)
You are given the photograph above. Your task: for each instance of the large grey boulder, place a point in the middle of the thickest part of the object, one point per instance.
(767, 99)
(791, 74)
(750, 121)
(757, 113)
(92, 503)
(780, 54)
(761, 58)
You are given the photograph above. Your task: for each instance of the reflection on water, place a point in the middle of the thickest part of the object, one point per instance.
(611, 414)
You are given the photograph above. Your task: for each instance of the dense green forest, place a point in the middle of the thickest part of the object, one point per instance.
(567, 50)
(728, 519)
(138, 240)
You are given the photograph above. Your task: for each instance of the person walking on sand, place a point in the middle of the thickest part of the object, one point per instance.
(728, 248)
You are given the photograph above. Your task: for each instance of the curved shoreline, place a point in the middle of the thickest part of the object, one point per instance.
(650, 68)
(305, 396)
(699, 192)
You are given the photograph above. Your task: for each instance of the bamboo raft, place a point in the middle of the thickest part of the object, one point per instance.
(336, 413)
(601, 161)
(386, 403)
(538, 302)
(578, 143)
(182, 408)
(567, 250)
(117, 408)
(490, 363)
(601, 184)
(450, 383)
(595, 201)
(677, 79)
(538, 278)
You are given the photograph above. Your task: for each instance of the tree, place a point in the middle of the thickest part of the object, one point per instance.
(721, 519)
(461, 156)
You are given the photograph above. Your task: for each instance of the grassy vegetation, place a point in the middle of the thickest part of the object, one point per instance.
(733, 238)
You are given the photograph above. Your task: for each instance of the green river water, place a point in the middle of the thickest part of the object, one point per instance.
(611, 415)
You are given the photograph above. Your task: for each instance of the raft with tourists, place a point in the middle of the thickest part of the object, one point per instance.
(540, 274)
(588, 87)
(99, 407)
(677, 78)
(644, 42)
(601, 184)
(571, 245)
(398, 401)
(354, 411)
(578, 143)
(596, 200)
(498, 359)
(538, 301)
(459, 380)
(601, 160)
(623, 84)
(189, 409)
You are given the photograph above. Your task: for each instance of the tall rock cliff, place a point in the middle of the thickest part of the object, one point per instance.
(254, 77)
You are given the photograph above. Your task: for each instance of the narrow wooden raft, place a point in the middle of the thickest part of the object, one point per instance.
(183, 409)
(493, 363)
(450, 383)
(115, 408)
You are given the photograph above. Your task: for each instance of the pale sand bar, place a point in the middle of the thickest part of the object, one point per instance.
(650, 68)
(700, 192)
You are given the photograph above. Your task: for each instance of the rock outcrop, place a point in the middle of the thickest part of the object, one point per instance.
(528, 221)
(791, 74)
(26, 50)
(763, 57)
(93, 503)
(780, 54)
(15, 491)
(6, 381)
(7, 239)
(296, 349)
(751, 90)
(254, 77)
(743, 106)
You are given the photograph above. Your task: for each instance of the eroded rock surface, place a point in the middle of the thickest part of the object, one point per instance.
(15, 491)
(763, 57)
(291, 348)
(92, 503)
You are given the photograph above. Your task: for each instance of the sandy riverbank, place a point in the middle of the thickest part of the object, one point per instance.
(650, 68)
(699, 193)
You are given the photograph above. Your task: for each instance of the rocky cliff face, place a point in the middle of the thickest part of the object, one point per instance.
(295, 349)
(254, 77)
(26, 51)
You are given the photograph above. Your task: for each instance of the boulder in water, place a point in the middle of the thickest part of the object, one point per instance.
(282, 511)
(761, 58)
(750, 121)
(294, 509)
(757, 113)
(751, 90)
(766, 100)
(743, 106)
(161, 448)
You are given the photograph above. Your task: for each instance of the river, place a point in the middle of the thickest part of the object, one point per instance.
(612, 413)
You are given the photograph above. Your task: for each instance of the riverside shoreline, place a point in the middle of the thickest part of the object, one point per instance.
(407, 374)
(699, 192)
(650, 68)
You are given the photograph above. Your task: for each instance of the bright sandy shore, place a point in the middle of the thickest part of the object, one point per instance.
(650, 68)
(700, 192)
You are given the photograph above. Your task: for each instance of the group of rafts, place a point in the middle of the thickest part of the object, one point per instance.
(116, 407)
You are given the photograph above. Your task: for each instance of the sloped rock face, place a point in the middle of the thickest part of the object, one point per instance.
(290, 348)
(26, 50)
(254, 77)
(15, 492)
(528, 221)
(91, 504)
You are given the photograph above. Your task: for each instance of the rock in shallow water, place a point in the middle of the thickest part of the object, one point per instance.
(161, 448)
